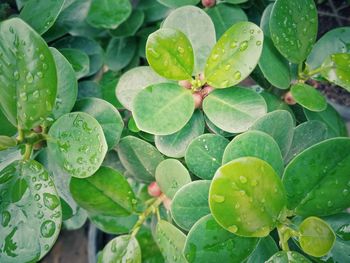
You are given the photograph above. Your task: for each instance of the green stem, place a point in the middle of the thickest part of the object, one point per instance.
(28, 151)
(284, 236)
(20, 136)
(315, 71)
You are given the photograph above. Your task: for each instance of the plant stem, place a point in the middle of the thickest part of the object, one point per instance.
(315, 71)
(142, 217)
(28, 151)
(20, 136)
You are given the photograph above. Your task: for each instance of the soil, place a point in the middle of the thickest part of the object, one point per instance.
(335, 93)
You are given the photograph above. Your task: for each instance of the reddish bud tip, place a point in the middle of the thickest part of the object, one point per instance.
(288, 98)
(167, 203)
(185, 83)
(37, 129)
(206, 90)
(208, 3)
(154, 190)
(197, 97)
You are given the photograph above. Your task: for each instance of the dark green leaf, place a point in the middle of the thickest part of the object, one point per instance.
(113, 224)
(78, 59)
(308, 97)
(178, 3)
(130, 26)
(264, 250)
(6, 127)
(288, 257)
(120, 52)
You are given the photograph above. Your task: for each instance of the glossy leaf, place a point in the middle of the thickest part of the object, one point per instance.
(204, 155)
(106, 192)
(78, 59)
(140, 158)
(108, 13)
(113, 224)
(120, 52)
(235, 55)
(265, 249)
(190, 203)
(247, 197)
(28, 76)
(178, 3)
(256, 144)
(306, 135)
(224, 16)
(279, 125)
(130, 26)
(293, 26)
(107, 115)
(235, 109)
(133, 81)
(121, 249)
(171, 242)
(78, 144)
(162, 109)
(287, 257)
(198, 28)
(67, 85)
(327, 179)
(30, 211)
(308, 97)
(171, 175)
(175, 145)
(316, 237)
(209, 242)
(33, 10)
(336, 69)
(7, 142)
(170, 54)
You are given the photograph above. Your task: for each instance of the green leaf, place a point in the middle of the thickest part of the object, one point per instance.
(199, 29)
(287, 257)
(316, 237)
(234, 109)
(106, 192)
(113, 224)
(120, 52)
(235, 55)
(336, 69)
(133, 81)
(28, 76)
(334, 41)
(77, 221)
(190, 203)
(7, 142)
(308, 97)
(6, 127)
(78, 144)
(33, 11)
(216, 130)
(178, 3)
(335, 124)
(130, 26)
(171, 242)
(162, 109)
(108, 13)
(305, 135)
(247, 197)
(171, 175)
(209, 242)
(170, 54)
(153, 10)
(175, 145)
(108, 85)
(140, 158)
(265, 249)
(235, 1)
(78, 59)
(121, 249)
(108, 117)
(274, 103)
(256, 144)
(279, 125)
(224, 16)
(31, 212)
(327, 179)
(204, 155)
(293, 26)
(67, 85)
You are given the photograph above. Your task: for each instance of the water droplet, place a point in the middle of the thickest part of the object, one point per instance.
(154, 53)
(45, 66)
(51, 201)
(345, 192)
(227, 67)
(243, 46)
(40, 213)
(29, 77)
(23, 96)
(251, 31)
(258, 43)
(243, 179)
(241, 192)
(16, 75)
(180, 50)
(48, 228)
(224, 83)
(6, 217)
(42, 57)
(237, 205)
(218, 198)
(40, 74)
(232, 229)
(329, 203)
(80, 160)
(215, 56)
(237, 75)
(254, 183)
(233, 44)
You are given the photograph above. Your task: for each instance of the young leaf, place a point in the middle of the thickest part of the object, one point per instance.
(162, 109)
(106, 192)
(190, 203)
(234, 109)
(133, 81)
(120, 52)
(121, 249)
(108, 117)
(198, 28)
(279, 125)
(171, 175)
(287, 257)
(170, 54)
(293, 26)
(209, 242)
(33, 11)
(234, 56)
(28, 77)
(336, 69)
(204, 155)
(256, 144)
(246, 197)
(171, 242)
(265, 249)
(308, 97)
(108, 13)
(31, 212)
(327, 179)
(113, 224)
(175, 145)
(78, 144)
(139, 158)
(130, 26)
(316, 237)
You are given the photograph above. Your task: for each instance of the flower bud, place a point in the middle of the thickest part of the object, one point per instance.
(197, 97)
(154, 189)
(288, 98)
(208, 3)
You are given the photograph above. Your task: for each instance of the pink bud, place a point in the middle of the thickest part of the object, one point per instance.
(197, 97)
(208, 3)
(185, 83)
(37, 129)
(206, 90)
(154, 190)
(288, 98)
(167, 203)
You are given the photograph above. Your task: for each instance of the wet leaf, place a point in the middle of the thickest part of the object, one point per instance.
(308, 97)
(287, 257)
